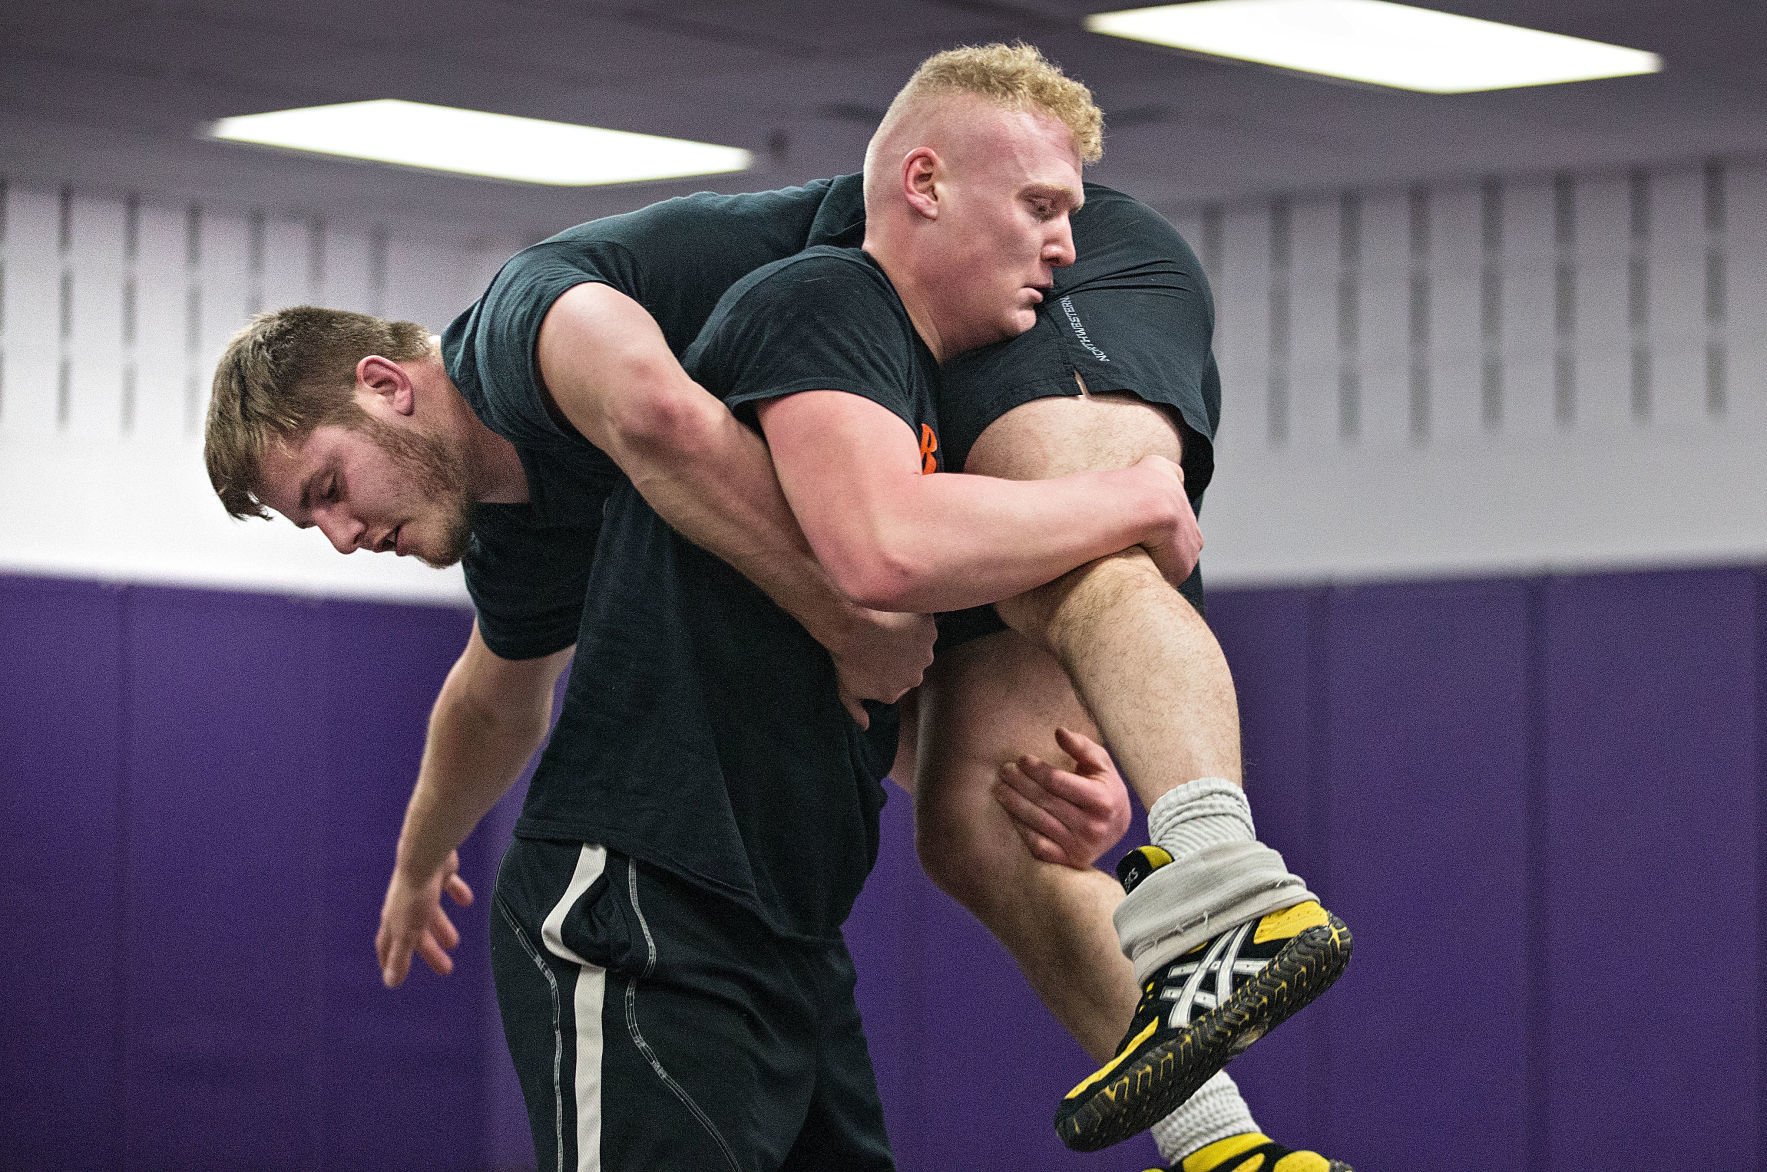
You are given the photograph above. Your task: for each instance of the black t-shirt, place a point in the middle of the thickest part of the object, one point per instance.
(702, 731)
(528, 565)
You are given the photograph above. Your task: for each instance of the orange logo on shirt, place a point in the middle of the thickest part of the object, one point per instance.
(929, 448)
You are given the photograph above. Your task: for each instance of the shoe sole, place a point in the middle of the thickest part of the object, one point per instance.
(1148, 1089)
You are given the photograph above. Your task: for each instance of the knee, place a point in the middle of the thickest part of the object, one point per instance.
(1057, 612)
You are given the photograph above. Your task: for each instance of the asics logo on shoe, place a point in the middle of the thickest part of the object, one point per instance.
(1208, 980)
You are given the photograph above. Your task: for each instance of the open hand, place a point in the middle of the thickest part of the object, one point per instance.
(412, 919)
(1066, 816)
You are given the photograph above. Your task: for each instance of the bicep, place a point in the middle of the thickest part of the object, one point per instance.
(843, 461)
(609, 370)
(494, 684)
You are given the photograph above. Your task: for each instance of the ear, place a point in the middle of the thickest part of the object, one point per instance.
(387, 380)
(920, 181)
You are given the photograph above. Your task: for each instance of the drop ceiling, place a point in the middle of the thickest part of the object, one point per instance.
(109, 95)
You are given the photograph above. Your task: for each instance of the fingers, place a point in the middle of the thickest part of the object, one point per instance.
(1065, 794)
(1048, 835)
(435, 956)
(443, 929)
(1042, 849)
(458, 890)
(395, 965)
(1087, 753)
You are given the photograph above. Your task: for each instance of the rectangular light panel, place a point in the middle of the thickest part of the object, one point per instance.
(472, 142)
(1377, 42)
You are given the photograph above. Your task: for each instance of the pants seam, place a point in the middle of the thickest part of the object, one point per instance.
(557, 1032)
(644, 1047)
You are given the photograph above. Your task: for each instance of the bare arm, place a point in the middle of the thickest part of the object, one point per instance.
(897, 540)
(491, 714)
(610, 371)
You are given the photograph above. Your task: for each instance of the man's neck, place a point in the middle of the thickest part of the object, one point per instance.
(913, 300)
(495, 474)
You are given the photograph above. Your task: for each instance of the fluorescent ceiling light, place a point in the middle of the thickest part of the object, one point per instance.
(1377, 42)
(472, 142)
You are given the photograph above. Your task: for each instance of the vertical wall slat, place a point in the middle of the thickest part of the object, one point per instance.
(1456, 255)
(1242, 314)
(1673, 334)
(433, 1111)
(287, 277)
(345, 268)
(1383, 310)
(226, 287)
(1526, 336)
(1272, 639)
(218, 1017)
(95, 346)
(61, 826)
(1745, 293)
(32, 326)
(1427, 771)
(1602, 331)
(1315, 266)
(162, 329)
(424, 282)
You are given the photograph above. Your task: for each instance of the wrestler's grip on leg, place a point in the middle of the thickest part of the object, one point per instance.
(1066, 815)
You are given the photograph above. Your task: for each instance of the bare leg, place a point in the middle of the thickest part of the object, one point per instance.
(984, 704)
(1141, 658)
(1153, 677)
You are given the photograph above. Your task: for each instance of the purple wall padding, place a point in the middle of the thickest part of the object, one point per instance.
(1427, 712)
(381, 667)
(1653, 774)
(1538, 804)
(1274, 641)
(223, 880)
(61, 826)
(969, 1063)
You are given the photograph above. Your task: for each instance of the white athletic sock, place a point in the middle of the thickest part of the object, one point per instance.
(1200, 813)
(1215, 1112)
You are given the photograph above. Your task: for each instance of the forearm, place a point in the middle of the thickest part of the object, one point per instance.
(947, 542)
(472, 756)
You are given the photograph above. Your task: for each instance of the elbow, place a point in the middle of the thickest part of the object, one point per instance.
(663, 418)
(878, 576)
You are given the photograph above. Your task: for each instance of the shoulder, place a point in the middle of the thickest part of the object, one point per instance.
(818, 279)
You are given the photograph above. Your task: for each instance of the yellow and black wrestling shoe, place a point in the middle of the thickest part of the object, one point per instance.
(1200, 1010)
(1253, 1152)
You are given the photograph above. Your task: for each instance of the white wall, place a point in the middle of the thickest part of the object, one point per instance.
(1524, 374)
(112, 312)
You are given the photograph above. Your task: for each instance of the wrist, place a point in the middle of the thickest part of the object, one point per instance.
(837, 622)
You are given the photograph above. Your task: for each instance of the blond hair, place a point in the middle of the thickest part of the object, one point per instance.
(283, 375)
(1014, 77)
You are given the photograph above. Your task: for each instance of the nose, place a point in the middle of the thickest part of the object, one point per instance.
(1058, 249)
(344, 532)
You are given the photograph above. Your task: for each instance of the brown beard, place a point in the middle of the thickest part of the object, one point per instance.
(438, 475)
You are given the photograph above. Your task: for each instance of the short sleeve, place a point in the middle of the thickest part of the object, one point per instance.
(527, 581)
(820, 321)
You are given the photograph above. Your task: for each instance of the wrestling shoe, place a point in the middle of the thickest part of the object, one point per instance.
(1200, 1010)
(1253, 1152)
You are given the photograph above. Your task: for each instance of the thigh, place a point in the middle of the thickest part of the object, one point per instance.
(649, 1027)
(844, 1127)
(982, 704)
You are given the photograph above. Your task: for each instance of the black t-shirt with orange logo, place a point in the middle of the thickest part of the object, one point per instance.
(702, 730)
(528, 564)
